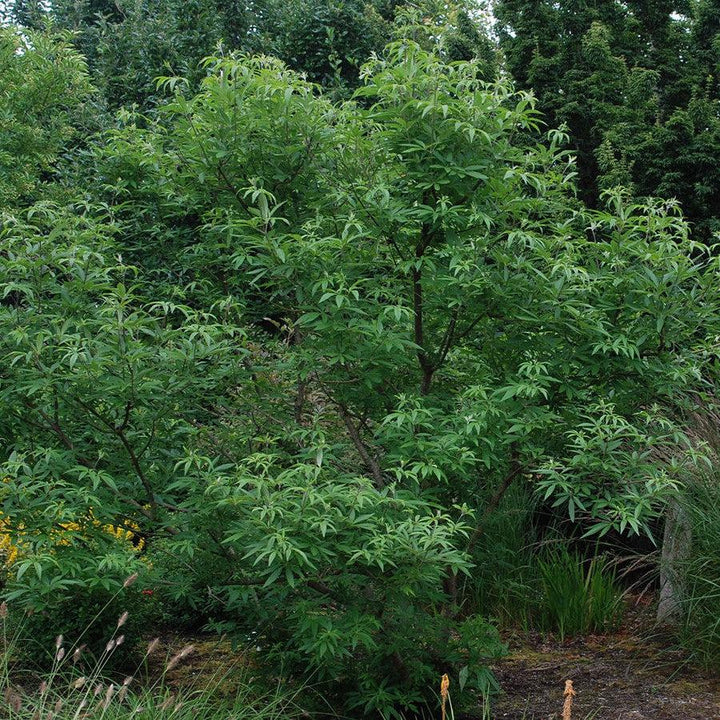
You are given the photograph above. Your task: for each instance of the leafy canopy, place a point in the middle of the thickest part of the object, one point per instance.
(306, 346)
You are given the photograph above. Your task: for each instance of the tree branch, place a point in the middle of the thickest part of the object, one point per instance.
(370, 462)
(516, 469)
(119, 432)
(448, 338)
(52, 424)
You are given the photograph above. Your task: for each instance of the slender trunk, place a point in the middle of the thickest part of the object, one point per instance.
(299, 404)
(677, 540)
(427, 376)
(426, 366)
(515, 470)
(450, 584)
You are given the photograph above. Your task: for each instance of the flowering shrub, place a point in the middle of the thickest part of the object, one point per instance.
(13, 538)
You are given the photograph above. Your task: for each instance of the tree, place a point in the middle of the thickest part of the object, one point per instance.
(336, 334)
(129, 44)
(328, 41)
(632, 81)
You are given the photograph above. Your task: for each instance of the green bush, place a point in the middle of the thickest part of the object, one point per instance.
(45, 92)
(83, 616)
(305, 345)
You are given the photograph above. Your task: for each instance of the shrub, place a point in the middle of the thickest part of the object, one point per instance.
(83, 616)
(45, 88)
(374, 318)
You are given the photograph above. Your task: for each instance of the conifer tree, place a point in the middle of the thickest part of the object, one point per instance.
(637, 85)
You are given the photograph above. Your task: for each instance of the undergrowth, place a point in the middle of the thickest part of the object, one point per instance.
(700, 627)
(74, 689)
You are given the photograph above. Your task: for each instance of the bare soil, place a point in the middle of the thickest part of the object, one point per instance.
(633, 674)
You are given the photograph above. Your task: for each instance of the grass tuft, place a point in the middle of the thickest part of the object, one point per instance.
(67, 692)
(578, 596)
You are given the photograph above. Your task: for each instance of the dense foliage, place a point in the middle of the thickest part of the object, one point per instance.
(46, 93)
(285, 352)
(636, 83)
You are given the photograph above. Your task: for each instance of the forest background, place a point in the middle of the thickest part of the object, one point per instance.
(349, 326)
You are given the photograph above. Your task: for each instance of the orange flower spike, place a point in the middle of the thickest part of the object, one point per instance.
(569, 694)
(444, 692)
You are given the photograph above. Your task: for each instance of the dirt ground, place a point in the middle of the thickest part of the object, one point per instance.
(633, 674)
(630, 675)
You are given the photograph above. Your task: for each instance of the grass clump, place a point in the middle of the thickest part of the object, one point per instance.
(554, 589)
(578, 596)
(70, 690)
(505, 578)
(700, 573)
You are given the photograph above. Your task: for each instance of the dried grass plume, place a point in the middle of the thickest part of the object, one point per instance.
(444, 691)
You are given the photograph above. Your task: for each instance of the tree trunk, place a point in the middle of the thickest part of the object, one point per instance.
(677, 541)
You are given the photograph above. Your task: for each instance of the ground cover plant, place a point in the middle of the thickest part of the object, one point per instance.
(302, 349)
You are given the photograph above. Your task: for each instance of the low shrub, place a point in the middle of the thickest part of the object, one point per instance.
(84, 616)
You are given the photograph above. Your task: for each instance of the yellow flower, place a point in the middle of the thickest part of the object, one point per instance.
(126, 533)
(8, 551)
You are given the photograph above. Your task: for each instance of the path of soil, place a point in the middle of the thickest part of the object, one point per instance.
(625, 676)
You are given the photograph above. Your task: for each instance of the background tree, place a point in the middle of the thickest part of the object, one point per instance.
(636, 84)
(46, 108)
(129, 44)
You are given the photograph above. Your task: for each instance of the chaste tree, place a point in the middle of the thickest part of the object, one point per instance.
(305, 347)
